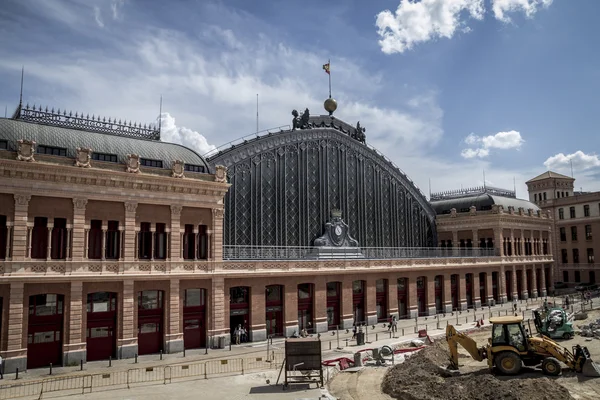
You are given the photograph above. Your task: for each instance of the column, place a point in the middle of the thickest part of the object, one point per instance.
(130, 232)
(86, 239)
(476, 290)
(153, 243)
(489, 288)
(498, 241)
(413, 304)
(371, 300)
(75, 348)
(196, 243)
(174, 336)
(522, 243)
(462, 291)
(21, 233)
(79, 249)
(29, 237)
(8, 241)
(175, 237)
(258, 323)
(49, 248)
(320, 304)
(503, 290)
(103, 241)
(543, 290)
(392, 296)
(475, 239)
(524, 292)
(168, 233)
(218, 326)
(347, 313)
(455, 242)
(68, 255)
(121, 243)
(15, 355)
(534, 283)
(217, 231)
(431, 310)
(127, 343)
(447, 293)
(515, 293)
(209, 235)
(291, 309)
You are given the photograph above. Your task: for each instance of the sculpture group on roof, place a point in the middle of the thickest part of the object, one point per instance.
(303, 122)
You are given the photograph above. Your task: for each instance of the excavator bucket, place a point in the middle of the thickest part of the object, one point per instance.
(590, 369)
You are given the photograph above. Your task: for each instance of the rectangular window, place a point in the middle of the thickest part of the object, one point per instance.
(58, 244)
(51, 150)
(564, 256)
(104, 157)
(588, 232)
(304, 291)
(101, 302)
(160, 242)
(189, 242)
(150, 299)
(145, 241)
(332, 289)
(39, 238)
(535, 197)
(103, 331)
(563, 234)
(194, 297)
(3, 145)
(572, 212)
(194, 168)
(590, 256)
(146, 162)
(575, 256)
(149, 327)
(574, 233)
(586, 210)
(95, 240)
(561, 213)
(202, 242)
(113, 241)
(3, 237)
(544, 196)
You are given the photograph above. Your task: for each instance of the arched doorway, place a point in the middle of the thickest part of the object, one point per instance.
(45, 330)
(101, 325)
(150, 321)
(381, 299)
(519, 284)
(509, 285)
(495, 292)
(422, 295)
(469, 289)
(482, 287)
(333, 304)
(358, 302)
(239, 310)
(305, 307)
(439, 294)
(194, 318)
(402, 298)
(454, 279)
(274, 310)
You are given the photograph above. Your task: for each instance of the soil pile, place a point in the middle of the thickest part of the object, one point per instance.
(421, 378)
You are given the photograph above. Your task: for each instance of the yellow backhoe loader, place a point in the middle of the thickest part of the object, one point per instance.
(511, 347)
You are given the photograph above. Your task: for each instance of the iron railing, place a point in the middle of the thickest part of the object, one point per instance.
(369, 253)
(581, 266)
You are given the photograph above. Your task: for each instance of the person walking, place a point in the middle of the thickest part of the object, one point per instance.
(238, 334)
(394, 325)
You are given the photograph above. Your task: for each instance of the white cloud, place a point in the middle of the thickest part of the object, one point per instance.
(580, 160)
(529, 7)
(172, 133)
(417, 22)
(115, 7)
(98, 17)
(414, 22)
(501, 140)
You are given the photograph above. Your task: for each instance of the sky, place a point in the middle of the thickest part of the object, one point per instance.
(450, 90)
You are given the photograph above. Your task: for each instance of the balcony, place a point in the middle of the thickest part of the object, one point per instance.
(580, 267)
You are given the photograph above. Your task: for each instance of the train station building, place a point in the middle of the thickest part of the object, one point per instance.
(113, 243)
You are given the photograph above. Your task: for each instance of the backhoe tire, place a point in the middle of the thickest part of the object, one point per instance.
(567, 336)
(551, 366)
(508, 363)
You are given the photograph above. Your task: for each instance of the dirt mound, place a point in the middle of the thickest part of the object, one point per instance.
(421, 378)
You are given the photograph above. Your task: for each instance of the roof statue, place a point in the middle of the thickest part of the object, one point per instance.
(300, 121)
(359, 133)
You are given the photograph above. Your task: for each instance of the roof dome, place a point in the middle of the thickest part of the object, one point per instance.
(482, 198)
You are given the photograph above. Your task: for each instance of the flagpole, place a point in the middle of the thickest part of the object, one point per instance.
(329, 62)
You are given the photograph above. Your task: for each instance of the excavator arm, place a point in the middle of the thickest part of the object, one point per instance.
(454, 338)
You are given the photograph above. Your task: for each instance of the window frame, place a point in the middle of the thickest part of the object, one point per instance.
(96, 157)
(199, 169)
(151, 163)
(43, 149)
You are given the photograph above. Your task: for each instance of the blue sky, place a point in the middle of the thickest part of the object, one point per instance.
(445, 88)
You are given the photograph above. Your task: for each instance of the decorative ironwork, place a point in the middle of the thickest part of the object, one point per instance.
(94, 123)
(453, 194)
(369, 253)
(284, 186)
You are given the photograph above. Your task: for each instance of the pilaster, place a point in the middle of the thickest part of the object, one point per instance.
(371, 300)
(515, 286)
(462, 292)
(75, 349)
(534, 282)
(16, 351)
(413, 304)
(431, 309)
(79, 236)
(291, 325)
(347, 315)
(217, 234)
(447, 292)
(320, 298)
(258, 325)
(174, 336)
(127, 344)
(392, 296)
(543, 291)
(20, 231)
(476, 290)
(217, 311)
(130, 232)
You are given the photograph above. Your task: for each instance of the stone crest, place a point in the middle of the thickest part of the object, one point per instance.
(337, 233)
(221, 173)
(218, 213)
(473, 210)
(133, 163)
(177, 169)
(83, 158)
(79, 203)
(26, 150)
(453, 213)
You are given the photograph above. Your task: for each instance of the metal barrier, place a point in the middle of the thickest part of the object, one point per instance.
(162, 374)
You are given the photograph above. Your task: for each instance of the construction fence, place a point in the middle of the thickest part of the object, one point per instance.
(163, 374)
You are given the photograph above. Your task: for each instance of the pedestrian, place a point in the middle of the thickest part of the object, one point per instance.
(567, 301)
(390, 323)
(394, 325)
(354, 332)
(238, 334)
(1, 368)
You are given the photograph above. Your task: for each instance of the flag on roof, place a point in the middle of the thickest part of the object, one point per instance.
(326, 67)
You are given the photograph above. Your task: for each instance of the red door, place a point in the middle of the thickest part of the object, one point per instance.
(509, 285)
(469, 287)
(422, 295)
(454, 291)
(101, 325)
(482, 291)
(495, 285)
(150, 321)
(194, 331)
(381, 300)
(44, 334)
(333, 304)
(402, 299)
(274, 321)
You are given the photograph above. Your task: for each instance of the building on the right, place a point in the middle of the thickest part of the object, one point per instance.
(576, 230)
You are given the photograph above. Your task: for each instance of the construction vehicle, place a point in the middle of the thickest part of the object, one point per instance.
(511, 346)
(553, 323)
